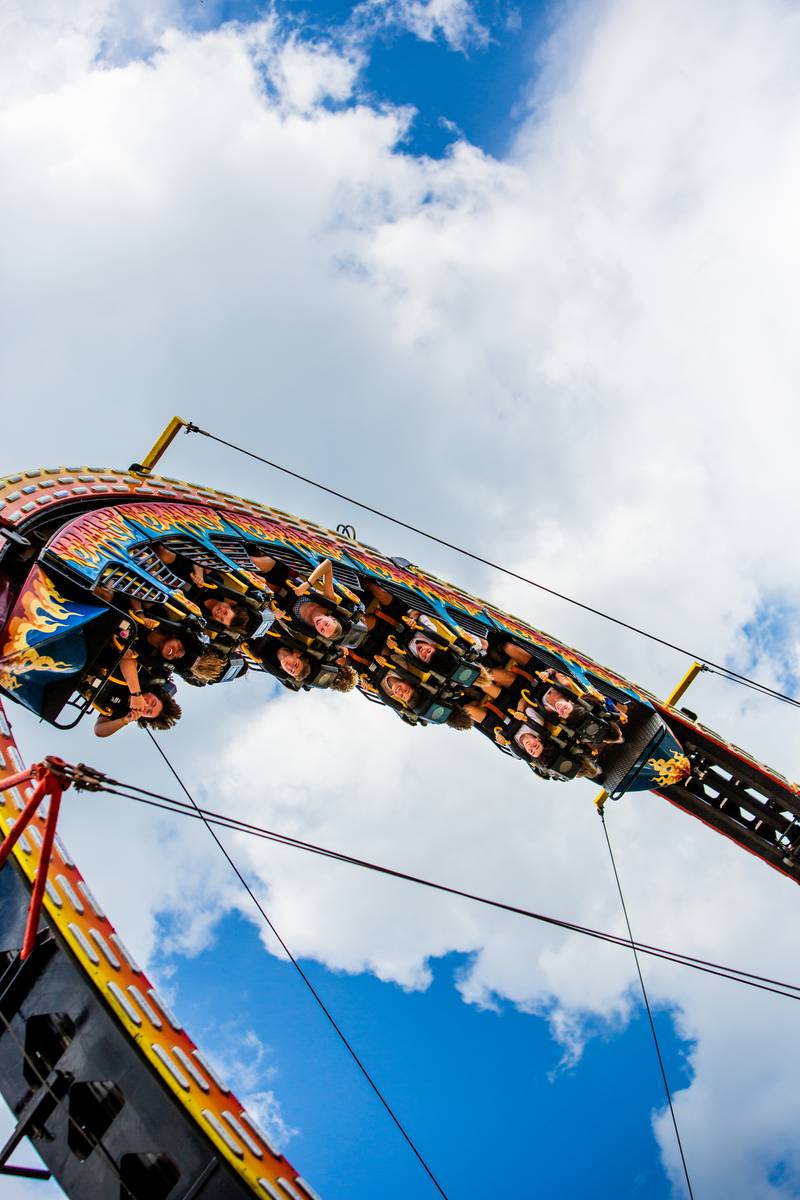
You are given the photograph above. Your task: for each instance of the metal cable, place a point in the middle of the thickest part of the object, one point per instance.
(348, 1046)
(727, 672)
(649, 1013)
(236, 825)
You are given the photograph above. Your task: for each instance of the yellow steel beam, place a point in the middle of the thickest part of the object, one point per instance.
(672, 700)
(685, 683)
(161, 444)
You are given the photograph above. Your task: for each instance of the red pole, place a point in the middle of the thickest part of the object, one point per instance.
(53, 785)
(13, 780)
(24, 818)
(51, 782)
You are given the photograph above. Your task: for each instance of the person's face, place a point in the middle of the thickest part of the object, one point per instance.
(558, 703)
(221, 612)
(325, 625)
(153, 706)
(291, 661)
(172, 649)
(531, 744)
(401, 689)
(424, 650)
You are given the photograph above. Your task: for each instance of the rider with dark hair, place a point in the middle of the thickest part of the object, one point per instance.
(459, 719)
(283, 660)
(345, 679)
(155, 708)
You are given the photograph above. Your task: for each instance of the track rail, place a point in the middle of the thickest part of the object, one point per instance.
(736, 795)
(729, 790)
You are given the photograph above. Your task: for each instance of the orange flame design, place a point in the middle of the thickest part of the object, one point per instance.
(670, 770)
(43, 611)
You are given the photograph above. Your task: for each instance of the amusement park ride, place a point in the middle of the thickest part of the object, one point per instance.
(112, 584)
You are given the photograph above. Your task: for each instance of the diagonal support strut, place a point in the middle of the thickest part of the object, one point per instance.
(52, 781)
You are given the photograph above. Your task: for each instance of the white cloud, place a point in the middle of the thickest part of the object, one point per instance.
(580, 361)
(241, 1055)
(302, 74)
(455, 21)
(56, 44)
(266, 1109)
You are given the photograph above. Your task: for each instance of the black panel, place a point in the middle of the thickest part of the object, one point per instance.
(102, 1120)
(147, 1176)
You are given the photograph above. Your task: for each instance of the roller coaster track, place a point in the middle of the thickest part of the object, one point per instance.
(737, 796)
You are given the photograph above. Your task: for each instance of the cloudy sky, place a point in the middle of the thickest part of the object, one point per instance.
(524, 275)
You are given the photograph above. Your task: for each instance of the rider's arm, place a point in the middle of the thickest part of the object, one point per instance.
(324, 574)
(263, 563)
(106, 726)
(130, 673)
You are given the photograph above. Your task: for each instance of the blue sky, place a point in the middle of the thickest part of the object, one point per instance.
(482, 90)
(478, 1090)
(547, 347)
(771, 634)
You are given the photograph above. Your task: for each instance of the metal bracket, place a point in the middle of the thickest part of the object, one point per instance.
(26, 1172)
(31, 1121)
(162, 443)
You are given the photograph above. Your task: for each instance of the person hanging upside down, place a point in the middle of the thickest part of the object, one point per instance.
(399, 689)
(298, 666)
(553, 699)
(154, 708)
(227, 613)
(293, 663)
(316, 615)
(479, 644)
(158, 644)
(422, 647)
(530, 742)
(129, 670)
(214, 603)
(584, 690)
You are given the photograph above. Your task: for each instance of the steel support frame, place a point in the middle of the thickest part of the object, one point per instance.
(760, 814)
(52, 782)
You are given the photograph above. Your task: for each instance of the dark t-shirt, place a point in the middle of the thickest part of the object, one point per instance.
(114, 700)
(148, 657)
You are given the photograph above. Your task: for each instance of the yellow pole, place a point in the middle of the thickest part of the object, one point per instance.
(685, 683)
(672, 700)
(166, 439)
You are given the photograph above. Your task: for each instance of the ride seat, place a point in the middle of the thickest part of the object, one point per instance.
(556, 761)
(445, 672)
(324, 664)
(427, 705)
(349, 612)
(453, 661)
(583, 724)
